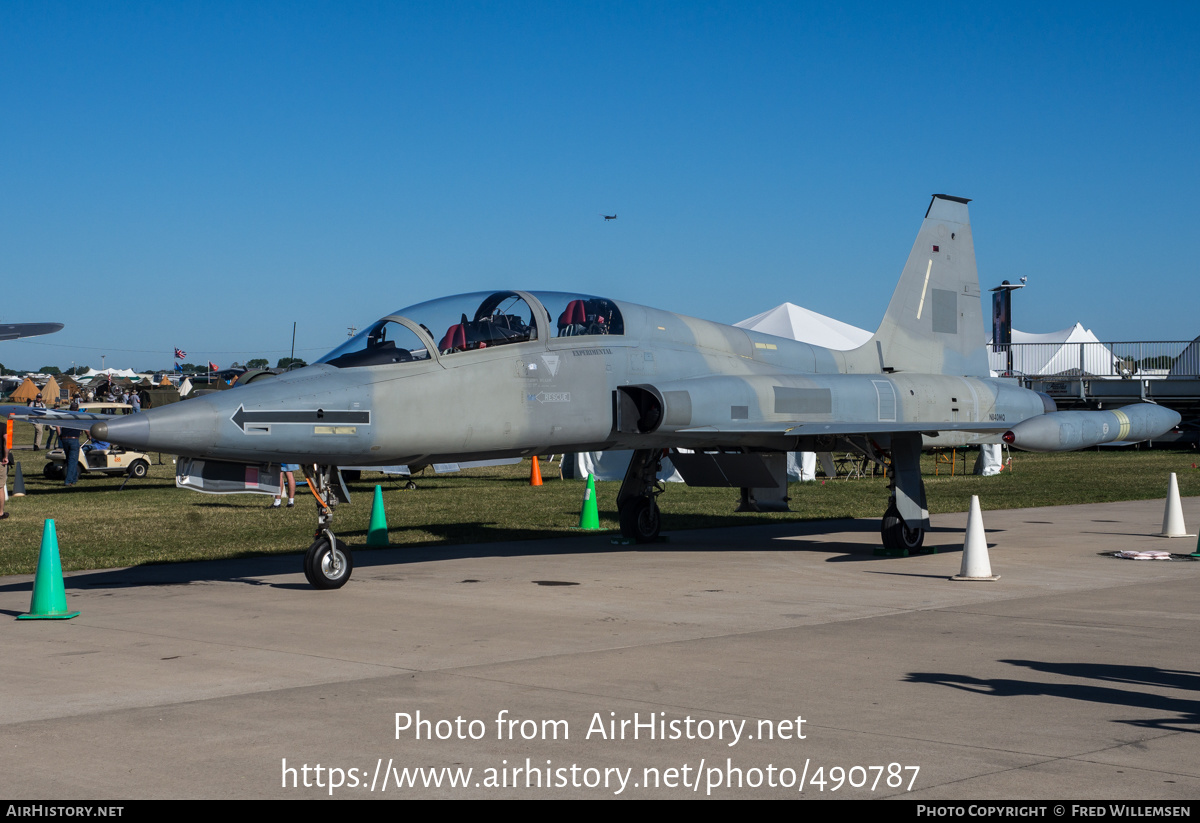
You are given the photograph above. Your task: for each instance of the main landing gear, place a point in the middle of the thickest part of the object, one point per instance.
(637, 502)
(328, 562)
(897, 536)
(907, 516)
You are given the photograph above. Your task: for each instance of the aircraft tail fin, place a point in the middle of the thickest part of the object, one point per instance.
(934, 323)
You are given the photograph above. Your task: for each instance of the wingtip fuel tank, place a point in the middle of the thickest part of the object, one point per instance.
(1069, 430)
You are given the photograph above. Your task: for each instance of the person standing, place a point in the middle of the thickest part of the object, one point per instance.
(69, 440)
(135, 400)
(4, 453)
(39, 429)
(287, 472)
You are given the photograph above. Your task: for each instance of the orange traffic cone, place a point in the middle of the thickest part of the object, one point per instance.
(535, 475)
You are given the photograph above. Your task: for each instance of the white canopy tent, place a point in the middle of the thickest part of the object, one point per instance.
(611, 465)
(1057, 352)
(130, 373)
(798, 323)
(1187, 364)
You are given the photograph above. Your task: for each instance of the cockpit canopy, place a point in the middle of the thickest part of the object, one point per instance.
(472, 322)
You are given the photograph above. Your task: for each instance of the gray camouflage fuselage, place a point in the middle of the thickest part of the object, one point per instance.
(720, 386)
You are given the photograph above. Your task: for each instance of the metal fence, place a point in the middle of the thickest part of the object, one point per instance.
(1117, 360)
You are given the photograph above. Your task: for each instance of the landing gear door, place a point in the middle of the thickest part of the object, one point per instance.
(339, 488)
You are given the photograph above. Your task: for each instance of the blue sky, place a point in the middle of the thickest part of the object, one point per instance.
(203, 174)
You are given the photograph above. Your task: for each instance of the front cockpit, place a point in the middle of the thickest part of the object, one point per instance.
(450, 326)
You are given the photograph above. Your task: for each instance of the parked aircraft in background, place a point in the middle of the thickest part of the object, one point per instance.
(13, 331)
(514, 373)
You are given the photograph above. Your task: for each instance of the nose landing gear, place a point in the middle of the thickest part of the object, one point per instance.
(328, 562)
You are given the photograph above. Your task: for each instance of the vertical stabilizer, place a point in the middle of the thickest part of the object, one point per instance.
(934, 323)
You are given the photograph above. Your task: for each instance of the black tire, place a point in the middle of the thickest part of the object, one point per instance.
(896, 534)
(641, 519)
(326, 568)
(352, 475)
(410, 485)
(51, 471)
(139, 468)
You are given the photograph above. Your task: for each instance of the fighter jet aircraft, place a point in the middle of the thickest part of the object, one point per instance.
(513, 373)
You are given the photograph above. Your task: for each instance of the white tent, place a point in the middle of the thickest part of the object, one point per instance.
(798, 323)
(1057, 352)
(110, 372)
(613, 464)
(1187, 364)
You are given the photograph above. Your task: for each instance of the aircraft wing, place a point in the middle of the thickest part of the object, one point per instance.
(53, 417)
(439, 468)
(12, 331)
(798, 428)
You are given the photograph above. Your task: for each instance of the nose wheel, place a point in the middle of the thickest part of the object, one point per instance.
(328, 563)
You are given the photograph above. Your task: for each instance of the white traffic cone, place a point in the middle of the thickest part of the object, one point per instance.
(1173, 513)
(975, 563)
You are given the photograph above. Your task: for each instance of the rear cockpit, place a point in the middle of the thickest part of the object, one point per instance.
(451, 326)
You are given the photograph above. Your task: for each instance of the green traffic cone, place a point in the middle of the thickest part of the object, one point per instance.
(589, 516)
(49, 600)
(377, 532)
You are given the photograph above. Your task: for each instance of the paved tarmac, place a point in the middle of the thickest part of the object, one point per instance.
(1073, 676)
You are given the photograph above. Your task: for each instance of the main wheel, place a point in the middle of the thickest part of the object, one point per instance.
(641, 519)
(139, 468)
(328, 567)
(896, 534)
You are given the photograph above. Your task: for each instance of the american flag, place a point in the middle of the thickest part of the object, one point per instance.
(180, 354)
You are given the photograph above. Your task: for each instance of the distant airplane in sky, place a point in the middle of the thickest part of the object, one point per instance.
(609, 216)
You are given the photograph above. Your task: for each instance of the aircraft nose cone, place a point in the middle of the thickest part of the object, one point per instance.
(132, 430)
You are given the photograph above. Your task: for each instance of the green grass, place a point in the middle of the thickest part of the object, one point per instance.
(153, 522)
